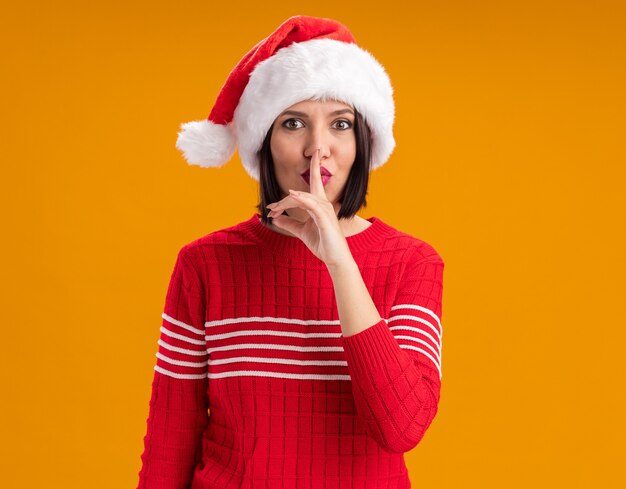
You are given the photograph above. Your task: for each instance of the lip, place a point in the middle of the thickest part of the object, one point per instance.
(323, 171)
(325, 179)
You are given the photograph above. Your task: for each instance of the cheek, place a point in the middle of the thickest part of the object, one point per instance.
(347, 153)
(282, 150)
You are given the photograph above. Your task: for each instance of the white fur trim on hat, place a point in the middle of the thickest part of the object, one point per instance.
(206, 144)
(315, 69)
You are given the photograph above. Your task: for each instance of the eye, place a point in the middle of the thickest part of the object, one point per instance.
(288, 125)
(344, 121)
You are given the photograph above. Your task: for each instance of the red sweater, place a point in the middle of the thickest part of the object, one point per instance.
(255, 386)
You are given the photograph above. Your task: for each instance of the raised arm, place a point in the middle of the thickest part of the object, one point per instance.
(395, 364)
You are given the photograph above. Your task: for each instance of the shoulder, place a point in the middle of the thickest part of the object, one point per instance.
(425, 252)
(208, 246)
(415, 249)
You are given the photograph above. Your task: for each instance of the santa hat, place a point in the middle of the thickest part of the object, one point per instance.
(304, 58)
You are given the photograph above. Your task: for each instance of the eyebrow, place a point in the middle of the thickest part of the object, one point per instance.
(302, 114)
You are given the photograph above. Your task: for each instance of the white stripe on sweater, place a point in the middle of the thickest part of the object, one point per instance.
(166, 331)
(167, 346)
(434, 355)
(180, 376)
(186, 326)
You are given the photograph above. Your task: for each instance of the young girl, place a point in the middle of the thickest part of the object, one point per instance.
(300, 348)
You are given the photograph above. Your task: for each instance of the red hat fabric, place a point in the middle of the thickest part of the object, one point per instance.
(305, 58)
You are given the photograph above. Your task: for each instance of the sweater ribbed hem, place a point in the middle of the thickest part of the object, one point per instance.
(282, 244)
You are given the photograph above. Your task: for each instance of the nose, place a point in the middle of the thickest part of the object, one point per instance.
(317, 140)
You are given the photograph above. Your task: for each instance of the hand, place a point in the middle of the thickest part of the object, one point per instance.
(321, 233)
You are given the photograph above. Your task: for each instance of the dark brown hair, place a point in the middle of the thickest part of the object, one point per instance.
(355, 190)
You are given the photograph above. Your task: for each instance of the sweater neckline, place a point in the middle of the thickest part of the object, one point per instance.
(283, 244)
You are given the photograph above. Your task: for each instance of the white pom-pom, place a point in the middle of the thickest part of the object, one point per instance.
(206, 144)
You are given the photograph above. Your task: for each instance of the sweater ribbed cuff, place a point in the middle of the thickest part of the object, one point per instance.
(374, 355)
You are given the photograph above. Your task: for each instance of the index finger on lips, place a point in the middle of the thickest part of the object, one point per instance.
(315, 179)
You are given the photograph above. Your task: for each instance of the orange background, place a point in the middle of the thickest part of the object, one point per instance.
(510, 161)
